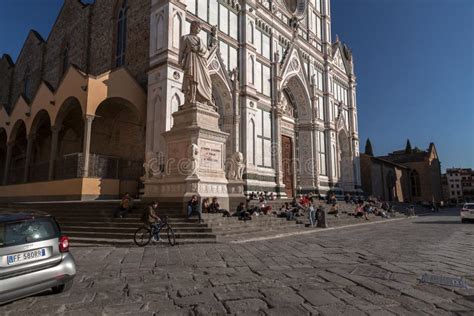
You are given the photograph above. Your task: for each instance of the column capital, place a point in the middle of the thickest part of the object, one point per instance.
(88, 118)
(31, 137)
(56, 128)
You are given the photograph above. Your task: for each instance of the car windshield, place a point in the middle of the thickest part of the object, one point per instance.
(469, 206)
(27, 231)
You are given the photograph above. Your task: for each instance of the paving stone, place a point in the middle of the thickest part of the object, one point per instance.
(281, 297)
(194, 300)
(318, 297)
(287, 310)
(246, 305)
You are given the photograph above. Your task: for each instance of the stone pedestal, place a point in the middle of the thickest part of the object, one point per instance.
(195, 162)
(236, 193)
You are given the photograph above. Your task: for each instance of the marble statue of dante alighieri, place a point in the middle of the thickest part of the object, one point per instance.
(197, 84)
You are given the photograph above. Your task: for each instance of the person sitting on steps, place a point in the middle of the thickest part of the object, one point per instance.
(242, 213)
(193, 208)
(216, 208)
(124, 207)
(205, 207)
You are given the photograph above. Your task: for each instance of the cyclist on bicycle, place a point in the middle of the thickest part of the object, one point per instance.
(152, 219)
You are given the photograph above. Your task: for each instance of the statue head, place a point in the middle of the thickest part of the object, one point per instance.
(196, 27)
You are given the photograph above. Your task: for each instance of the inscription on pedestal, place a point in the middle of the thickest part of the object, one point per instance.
(211, 155)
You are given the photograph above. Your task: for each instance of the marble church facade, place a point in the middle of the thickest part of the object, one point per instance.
(83, 111)
(285, 93)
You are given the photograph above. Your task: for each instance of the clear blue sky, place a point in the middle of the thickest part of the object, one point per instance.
(414, 61)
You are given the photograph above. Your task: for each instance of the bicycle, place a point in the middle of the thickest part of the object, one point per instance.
(143, 234)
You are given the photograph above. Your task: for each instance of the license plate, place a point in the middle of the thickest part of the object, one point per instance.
(26, 256)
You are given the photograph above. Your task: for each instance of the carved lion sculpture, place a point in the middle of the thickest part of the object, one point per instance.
(235, 167)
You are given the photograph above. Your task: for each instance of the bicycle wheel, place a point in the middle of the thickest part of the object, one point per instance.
(142, 236)
(171, 237)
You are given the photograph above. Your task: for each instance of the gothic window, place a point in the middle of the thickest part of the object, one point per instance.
(176, 30)
(65, 59)
(26, 82)
(415, 183)
(251, 71)
(175, 103)
(250, 32)
(121, 35)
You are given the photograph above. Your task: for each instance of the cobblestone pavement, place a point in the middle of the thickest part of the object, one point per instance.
(366, 270)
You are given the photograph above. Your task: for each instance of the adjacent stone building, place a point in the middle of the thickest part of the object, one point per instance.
(459, 185)
(84, 109)
(412, 175)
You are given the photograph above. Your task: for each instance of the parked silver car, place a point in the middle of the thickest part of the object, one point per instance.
(34, 256)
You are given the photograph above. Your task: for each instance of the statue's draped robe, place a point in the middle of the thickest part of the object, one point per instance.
(193, 58)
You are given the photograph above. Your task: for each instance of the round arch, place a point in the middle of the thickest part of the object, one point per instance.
(344, 157)
(70, 104)
(3, 151)
(41, 149)
(16, 168)
(117, 141)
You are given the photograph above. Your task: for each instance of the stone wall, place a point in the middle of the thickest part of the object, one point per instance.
(88, 31)
(70, 30)
(31, 59)
(103, 43)
(6, 73)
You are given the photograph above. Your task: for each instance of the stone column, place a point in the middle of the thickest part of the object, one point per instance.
(8, 159)
(29, 149)
(277, 152)
(86, 144)
(54, 150)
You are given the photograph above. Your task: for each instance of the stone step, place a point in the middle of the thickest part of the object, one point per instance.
(129, 235)
(86, 242)
(177, 230)
(134, 224)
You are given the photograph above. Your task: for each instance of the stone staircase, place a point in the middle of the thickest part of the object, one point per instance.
(92, 222)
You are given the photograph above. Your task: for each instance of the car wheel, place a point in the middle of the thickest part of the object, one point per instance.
(463, 220)
(62, 288)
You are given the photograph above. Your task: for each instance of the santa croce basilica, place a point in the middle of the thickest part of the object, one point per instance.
(97, 108)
